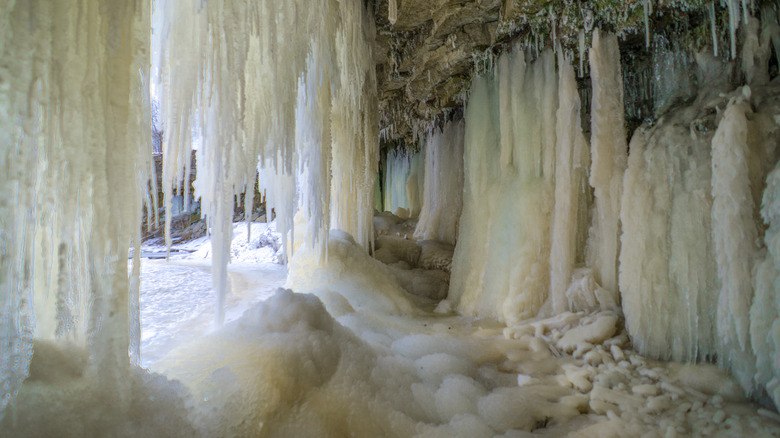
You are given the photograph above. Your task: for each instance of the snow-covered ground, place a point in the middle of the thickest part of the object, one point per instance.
(178, 303)
(358, 356)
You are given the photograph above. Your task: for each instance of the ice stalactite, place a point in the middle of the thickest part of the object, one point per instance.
(443, 188)
(713, 28)
(609, 159)
(733, 8)
(647, 7)
(501, 262)
(75, 160)
(280, 85)
(570, 215)
(582, 50)
(392, 11)
(757, 47)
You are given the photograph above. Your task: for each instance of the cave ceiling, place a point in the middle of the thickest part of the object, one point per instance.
(426, 58)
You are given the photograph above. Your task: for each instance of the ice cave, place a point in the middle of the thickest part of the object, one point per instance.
(390, 218)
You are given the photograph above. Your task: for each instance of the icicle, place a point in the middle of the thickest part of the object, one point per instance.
(756, 50)
(249, 207)
(134, 311)
(648, 10)
(553, 24)
(505, 75)
(733, 7)
(581, 47)
(713, 28)
(392, 11)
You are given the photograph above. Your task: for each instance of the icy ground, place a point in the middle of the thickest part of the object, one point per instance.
(362, 356)
(177, 299)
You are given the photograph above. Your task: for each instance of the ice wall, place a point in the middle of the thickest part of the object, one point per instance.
(667, 270)
(404, 179)
(288, 84)
(765, 312)
(75, 149)
(443, 187)
(695, 268)
(501, 262)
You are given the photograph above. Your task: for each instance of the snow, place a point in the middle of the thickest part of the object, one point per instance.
(177, 302)
(312, 365)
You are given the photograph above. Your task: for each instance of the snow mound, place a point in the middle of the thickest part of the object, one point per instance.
(366, 283)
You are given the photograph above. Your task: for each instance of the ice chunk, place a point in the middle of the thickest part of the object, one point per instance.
(603, 328)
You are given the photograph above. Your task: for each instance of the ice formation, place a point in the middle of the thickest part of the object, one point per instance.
(570, 215)
(501, 263)
(609, 156)
(692, 234)
(403, 186)
(276, 83)
(442, 199)
(75, 159)
(765, 312)
(78, 149)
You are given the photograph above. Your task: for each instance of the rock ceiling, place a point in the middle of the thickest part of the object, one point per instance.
(426, 58)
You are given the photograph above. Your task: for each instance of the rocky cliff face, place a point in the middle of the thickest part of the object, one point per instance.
(428, 50)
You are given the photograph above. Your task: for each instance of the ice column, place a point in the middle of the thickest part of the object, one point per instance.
(609, 159)
(404, 178)
(569, 226)
(74, 165)
(443, 188)
(734, 233)
(501, 262)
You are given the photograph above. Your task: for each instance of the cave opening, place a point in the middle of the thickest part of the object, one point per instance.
(389, 218)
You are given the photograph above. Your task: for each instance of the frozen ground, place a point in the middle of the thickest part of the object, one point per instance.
(177, 299)
(358, 355)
